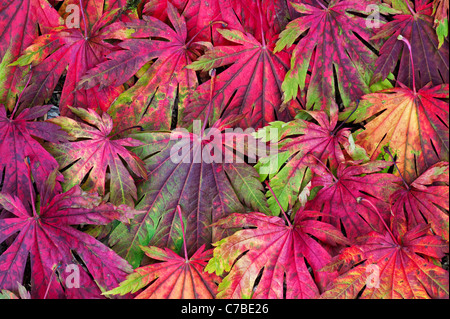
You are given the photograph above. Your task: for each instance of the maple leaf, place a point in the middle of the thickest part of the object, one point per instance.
(324, 139)
(424, 200)
(413, 125)
(150, 101)
(46, 238)
(280, 249)
(385, 266)
(92, 151)
(78, 50)
(339, 197)
(18, 147)
(174, 278)
(252, 82)
(329, 48)
(18, 29)
(197, 172)
(431, 63)
(251, 85)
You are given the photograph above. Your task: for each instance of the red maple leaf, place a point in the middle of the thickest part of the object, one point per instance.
(18, 30)
(251, 85)
(391, 265)
(431, 62)
(276, 249)
(168, 80)
(174, 277)
(150, 101)
(190, 170)
(46, 237)
(92, 151)
(339, 197)
(76, 48)
(198, 15)
(327, 141)
(425, 200)
(329, 47)
(18, 147)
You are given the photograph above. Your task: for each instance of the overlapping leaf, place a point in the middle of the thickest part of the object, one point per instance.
(76, 48)
(425, 200)
(19, 148)
(18, 29)
(173, 278)
(46, 237)
(277, 250)
(190, 170)
(319, 176)
(430, 63)
(261, 18)
(92, 152)
(414, 125)
(339, 197)
(251, 85)
(166, 85)
(236, 14)
(391, 267)
(325, 140)
(199, 15)
(330, 48)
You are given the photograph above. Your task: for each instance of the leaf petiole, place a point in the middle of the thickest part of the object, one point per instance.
(340, 125)
(281, 208)
(360, 199)
(402, 38)
(84, 19)
(386, 149)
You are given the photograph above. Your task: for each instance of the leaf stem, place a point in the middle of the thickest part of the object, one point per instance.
(182, 230)
(409, 7)
(340, 125)
(202, 29)
(33, 205)
(360, 199)
(84, 19)
(281, 208)
(320, 161)
(261, 25)
(321, 4)
(386, 149)
(211, 90)
(55, 266)
(402, 38)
